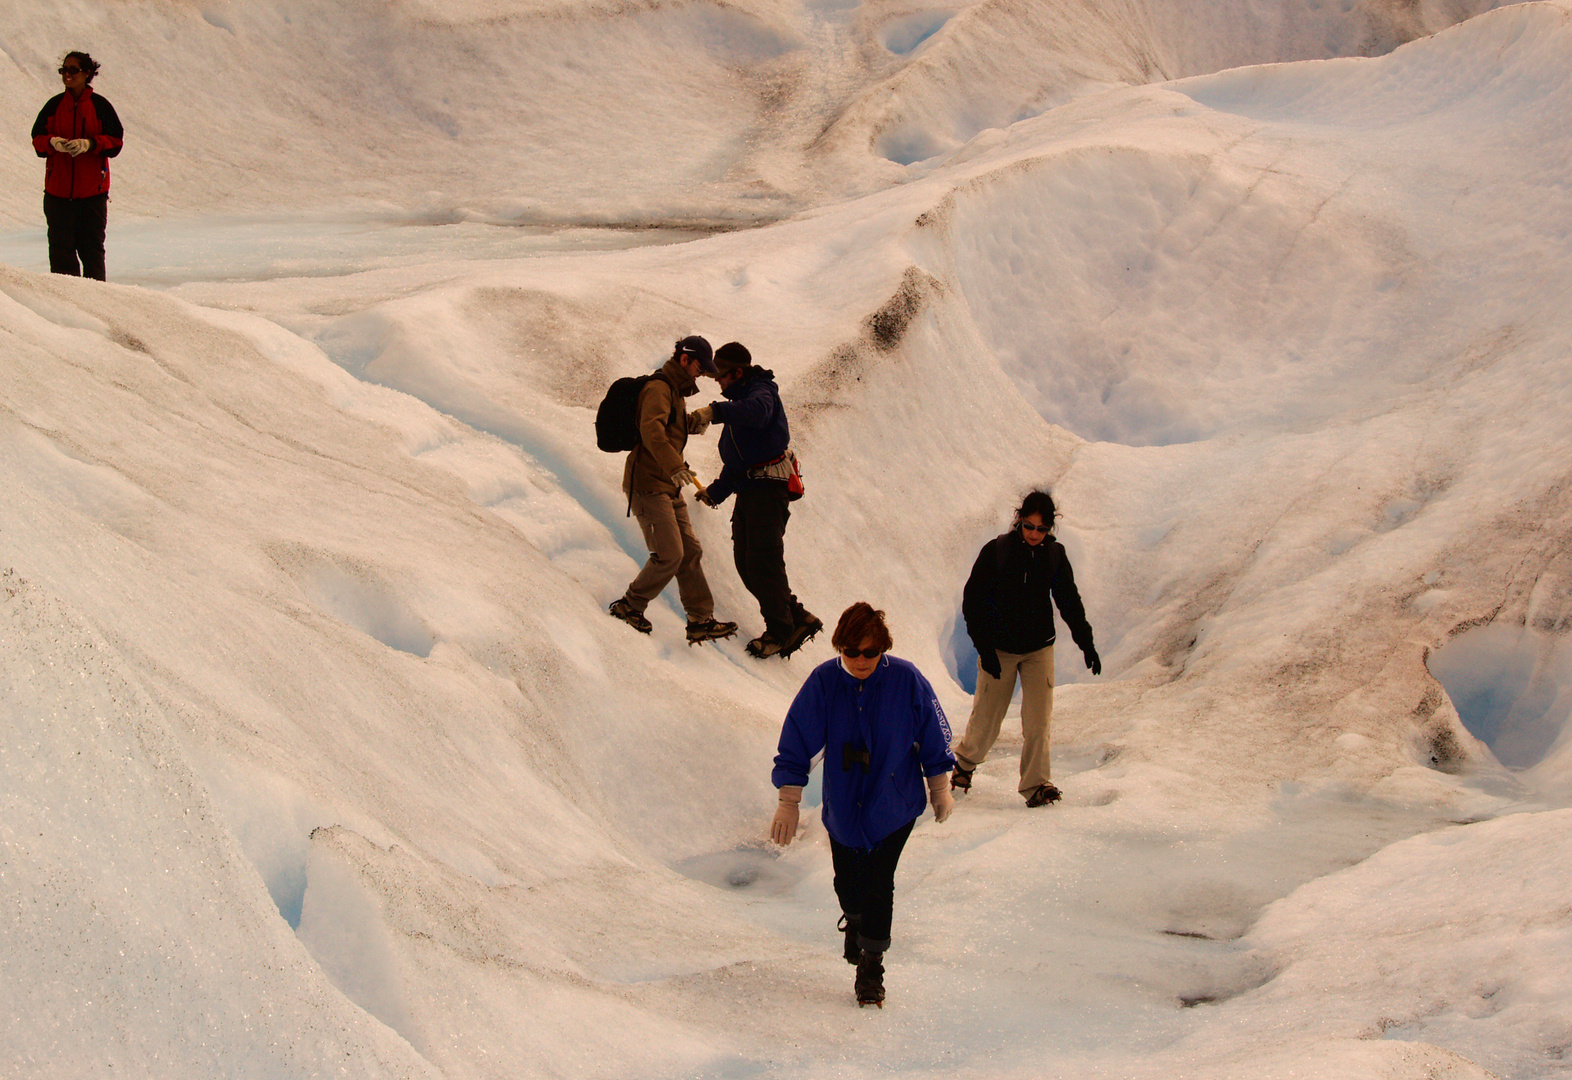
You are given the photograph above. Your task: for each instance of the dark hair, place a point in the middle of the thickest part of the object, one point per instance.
(88, 64)
(1037, 502)
(859, 623)
(732, 356)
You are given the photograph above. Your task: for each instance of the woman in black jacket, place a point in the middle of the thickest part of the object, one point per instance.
(1008, 604)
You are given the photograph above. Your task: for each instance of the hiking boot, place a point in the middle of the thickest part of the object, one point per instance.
(621, 609)
(870, 980)
(764, 646)
(852, 925)
(804, 632)
(961, 779)
(1045, 794)
(709, 630)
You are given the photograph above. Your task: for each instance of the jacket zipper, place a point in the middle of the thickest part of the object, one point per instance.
(70, 163)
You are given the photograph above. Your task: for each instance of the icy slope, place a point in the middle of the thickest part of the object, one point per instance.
(581, 111)
(312, 573)
(383, 690)
(966, 68)
(1480, 969)
(1275, 283)
(1279, 326)
(136, 937)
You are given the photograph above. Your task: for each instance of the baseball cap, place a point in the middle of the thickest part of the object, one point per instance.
(694, 345)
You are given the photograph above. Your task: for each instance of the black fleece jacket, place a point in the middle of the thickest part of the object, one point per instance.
(1009, 598)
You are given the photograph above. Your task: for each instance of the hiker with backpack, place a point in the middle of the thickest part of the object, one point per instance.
(653, 478)
(758, 466)
(885, 744)
(1008, 605)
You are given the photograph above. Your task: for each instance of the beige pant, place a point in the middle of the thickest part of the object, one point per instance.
(993, 701)
(674, 553)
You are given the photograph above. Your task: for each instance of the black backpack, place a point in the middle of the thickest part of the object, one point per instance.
(617, 419)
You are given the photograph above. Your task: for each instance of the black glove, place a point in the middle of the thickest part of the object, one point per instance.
(988, 660)
(1092, 660)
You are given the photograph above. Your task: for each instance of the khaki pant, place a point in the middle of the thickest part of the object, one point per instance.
(993, 701)
(674, 553)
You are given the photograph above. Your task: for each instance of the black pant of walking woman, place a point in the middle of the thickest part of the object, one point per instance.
(888, 754)
(865, 882)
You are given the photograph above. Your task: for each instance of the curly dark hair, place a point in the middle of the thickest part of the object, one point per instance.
(861, 622)
(88, 65)
(1037, 502)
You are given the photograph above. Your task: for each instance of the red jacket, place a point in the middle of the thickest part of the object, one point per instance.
(87, 117)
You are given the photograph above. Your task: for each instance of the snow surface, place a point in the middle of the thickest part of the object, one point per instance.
(321, 756)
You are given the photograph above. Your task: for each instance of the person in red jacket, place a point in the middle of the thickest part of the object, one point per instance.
(77, 132)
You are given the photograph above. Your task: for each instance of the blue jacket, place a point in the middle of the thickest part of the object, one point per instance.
(756, 431)
(894, 715)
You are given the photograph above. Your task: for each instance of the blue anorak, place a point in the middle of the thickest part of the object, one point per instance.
(895, 717)
(756, 431)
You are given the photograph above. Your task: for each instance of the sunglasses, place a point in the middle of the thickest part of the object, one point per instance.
(70, 71)
(866, 654)
(1029, 527)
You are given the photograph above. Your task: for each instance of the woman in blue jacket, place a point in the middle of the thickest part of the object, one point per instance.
(883, 736)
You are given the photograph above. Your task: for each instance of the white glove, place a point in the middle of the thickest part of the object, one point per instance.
(78, 146)
(62, 145)
(700, 419)
(784, 828)
(939, 794)
(684, 475)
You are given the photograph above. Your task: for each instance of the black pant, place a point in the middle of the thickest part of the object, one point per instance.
(76, 231)
(865, 885)
(758, 547)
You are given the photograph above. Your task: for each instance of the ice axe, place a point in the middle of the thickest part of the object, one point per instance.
(686, 476)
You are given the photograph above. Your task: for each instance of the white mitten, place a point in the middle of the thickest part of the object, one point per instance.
(62, 145)
(784, 828)
(79, 146)
(939, 794)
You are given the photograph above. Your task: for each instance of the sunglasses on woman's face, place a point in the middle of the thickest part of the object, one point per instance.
(70, 71)
(866, 654)
(1029, 527)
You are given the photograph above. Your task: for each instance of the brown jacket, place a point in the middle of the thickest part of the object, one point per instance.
(663, 433)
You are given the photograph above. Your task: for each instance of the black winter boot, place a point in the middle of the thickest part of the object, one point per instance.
(852, 924)
(808, 626)
(870, 980)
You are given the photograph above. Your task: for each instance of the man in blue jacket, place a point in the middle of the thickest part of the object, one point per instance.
(755, 450)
